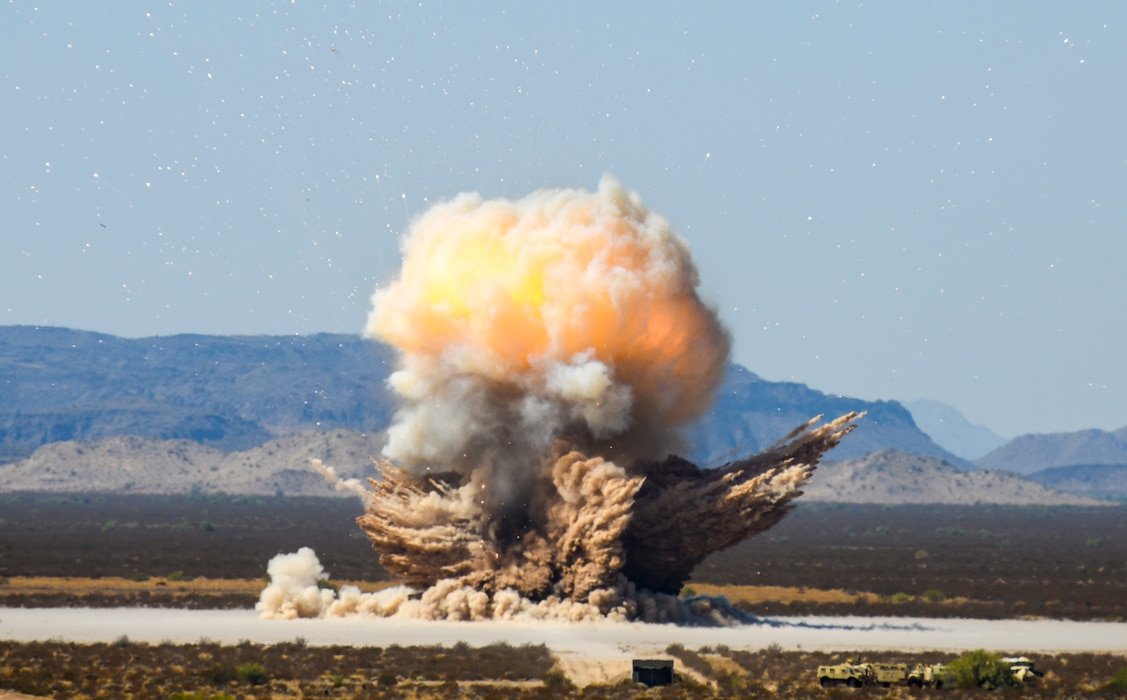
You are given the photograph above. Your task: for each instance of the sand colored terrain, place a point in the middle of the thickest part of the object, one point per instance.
(113, 584)
(18, 586)
(757, 595)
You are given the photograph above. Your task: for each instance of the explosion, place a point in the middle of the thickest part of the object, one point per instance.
(550, 349)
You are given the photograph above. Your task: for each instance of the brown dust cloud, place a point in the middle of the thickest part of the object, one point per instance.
(550, 350)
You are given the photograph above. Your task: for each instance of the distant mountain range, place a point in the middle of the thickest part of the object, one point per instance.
(281, 466)
(751, 413)
(892, 476)
(227, 392)
(236, 392)
(951, 429)
(88, 411)
(1027, 454)
(1087, 462)
(1104, 481)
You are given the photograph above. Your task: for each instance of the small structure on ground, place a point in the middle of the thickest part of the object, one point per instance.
(653, 672)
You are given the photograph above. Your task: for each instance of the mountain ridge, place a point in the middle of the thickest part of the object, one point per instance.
(234, 392)
(1027, 454)
(891, 476)
(950, 429)
(88, 411)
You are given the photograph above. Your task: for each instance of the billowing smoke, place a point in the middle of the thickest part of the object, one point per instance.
(567, 314)
(550, 349)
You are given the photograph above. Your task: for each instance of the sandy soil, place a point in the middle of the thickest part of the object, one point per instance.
(605, 641)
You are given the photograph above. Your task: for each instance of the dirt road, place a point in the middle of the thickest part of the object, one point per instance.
(602, 640)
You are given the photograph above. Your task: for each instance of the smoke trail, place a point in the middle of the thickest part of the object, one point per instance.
(550, 348)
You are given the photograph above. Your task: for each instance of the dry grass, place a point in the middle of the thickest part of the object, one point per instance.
(126, 669)
(780, 594)
(81, 586)
(112, 591)
(208, 670)
(793, 596)
(205, 593)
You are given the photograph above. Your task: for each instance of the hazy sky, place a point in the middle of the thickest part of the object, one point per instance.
(886, 200)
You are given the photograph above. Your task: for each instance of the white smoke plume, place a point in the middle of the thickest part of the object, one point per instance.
(550, 348)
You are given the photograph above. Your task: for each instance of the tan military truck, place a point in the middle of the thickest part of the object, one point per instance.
(855, 674)
(927, 675)
(887, 674)
(852, 673)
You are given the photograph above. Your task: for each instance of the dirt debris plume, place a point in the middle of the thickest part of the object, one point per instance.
(550, 349)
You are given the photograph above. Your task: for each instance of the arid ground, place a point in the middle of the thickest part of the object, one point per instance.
(210, 553)
(919, 561)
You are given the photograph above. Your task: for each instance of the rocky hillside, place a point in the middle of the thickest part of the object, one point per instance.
(233, 393)
(228, 392)
(1104, 481)
(129, 464)
(751, 414)
(891, 476)
(1031, 453)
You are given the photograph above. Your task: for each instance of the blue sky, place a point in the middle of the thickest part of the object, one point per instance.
(886, 200)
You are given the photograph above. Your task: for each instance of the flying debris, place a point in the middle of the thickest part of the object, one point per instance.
(550, 349)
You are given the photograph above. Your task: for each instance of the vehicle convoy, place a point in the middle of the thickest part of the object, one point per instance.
(855, 673)
(852, 673)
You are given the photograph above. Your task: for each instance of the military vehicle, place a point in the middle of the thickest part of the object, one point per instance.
(927, 676)
(887, 674)
(855, 674)
(852, 673)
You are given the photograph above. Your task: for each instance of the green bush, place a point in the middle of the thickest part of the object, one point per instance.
(175, 576)
(981, 669)
(325, 584)
(251, 673)
(1119, 682)
(901, 598)
(933, 595)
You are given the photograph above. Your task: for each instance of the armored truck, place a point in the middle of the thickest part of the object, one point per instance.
(855, 674)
